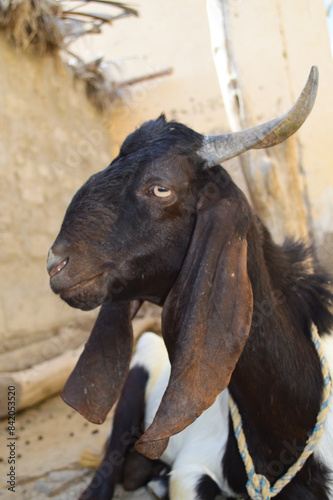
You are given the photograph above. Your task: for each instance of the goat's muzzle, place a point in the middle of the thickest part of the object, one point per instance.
(72, 278)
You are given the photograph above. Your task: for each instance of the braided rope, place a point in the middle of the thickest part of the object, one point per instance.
(258, 486)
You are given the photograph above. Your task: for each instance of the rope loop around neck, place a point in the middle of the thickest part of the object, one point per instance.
(258, 486)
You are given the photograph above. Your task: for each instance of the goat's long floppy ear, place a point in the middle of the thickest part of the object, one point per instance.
(95, 383)
(206, 320)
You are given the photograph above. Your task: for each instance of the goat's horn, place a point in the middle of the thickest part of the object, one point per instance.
(219, 148)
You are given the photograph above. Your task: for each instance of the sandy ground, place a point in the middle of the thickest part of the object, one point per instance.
(52, 437)
(50, 441)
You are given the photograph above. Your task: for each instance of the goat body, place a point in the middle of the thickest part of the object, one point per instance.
(192, 454)
(204, 457)
(164, 223)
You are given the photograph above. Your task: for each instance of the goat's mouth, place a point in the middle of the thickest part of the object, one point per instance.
(81, 284)
(86, 294)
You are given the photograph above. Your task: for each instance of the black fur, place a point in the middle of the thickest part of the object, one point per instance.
(120, 453)
(123, 244)
(207, 489)
(277, 382)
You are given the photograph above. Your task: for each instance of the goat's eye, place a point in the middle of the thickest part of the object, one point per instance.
(161, 192)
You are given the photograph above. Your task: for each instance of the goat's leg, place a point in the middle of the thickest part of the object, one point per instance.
(189, 483)
(127, 428)
(207, 489)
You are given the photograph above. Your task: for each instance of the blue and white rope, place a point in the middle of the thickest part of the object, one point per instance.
(258, 486)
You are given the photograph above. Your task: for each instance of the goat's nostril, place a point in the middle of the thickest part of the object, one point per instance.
(56, 269)
(55, 264)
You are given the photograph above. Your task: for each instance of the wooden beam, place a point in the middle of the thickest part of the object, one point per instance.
(47, 378)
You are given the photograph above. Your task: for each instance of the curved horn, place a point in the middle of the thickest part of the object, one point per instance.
(219, 148)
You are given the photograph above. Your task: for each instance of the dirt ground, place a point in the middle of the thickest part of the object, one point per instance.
(51, 439)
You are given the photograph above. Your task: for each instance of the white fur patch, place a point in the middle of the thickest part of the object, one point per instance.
(199, 448)
(152, 355)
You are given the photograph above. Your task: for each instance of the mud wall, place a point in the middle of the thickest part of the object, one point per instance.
(51, 140)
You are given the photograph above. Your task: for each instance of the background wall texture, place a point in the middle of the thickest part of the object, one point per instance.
(52, 138)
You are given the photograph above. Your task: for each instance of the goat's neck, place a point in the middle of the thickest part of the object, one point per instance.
(277, 382)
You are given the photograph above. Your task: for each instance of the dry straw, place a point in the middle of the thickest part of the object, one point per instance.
(47, 25)
(50, 26)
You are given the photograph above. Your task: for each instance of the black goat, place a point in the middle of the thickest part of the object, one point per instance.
(165, 223)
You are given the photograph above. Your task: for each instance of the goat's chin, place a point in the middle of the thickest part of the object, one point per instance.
(79, 301)
(86, 295)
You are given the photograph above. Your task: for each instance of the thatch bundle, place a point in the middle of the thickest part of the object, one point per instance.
(50, 26)
(29, 23)
(46, 25)
(100, 87)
